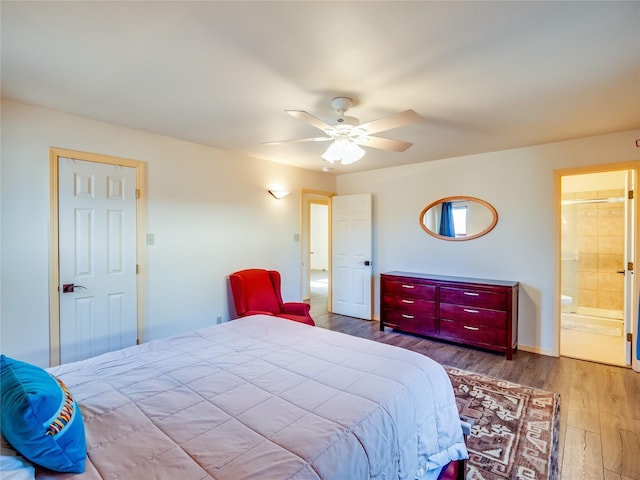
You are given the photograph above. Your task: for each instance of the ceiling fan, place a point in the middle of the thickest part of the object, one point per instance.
(348, 134)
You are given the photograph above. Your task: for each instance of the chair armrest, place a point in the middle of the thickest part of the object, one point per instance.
(257, 312)
(296, 308)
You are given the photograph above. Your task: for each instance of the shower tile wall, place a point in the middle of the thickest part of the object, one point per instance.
(593, 241)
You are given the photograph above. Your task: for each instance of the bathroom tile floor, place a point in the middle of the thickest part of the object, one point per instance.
(593, 347)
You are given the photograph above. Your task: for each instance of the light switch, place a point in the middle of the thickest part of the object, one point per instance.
(151, 238)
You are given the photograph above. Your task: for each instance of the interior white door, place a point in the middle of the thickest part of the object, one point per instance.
(97, 255)
(351, 255)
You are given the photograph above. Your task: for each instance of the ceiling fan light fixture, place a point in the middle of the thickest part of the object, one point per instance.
(343, 150)
(352, 153)
(334, 152)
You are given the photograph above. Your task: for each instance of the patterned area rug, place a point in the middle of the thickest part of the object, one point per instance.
(515, 428)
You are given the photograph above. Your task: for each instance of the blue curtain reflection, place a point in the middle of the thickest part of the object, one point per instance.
(446, 220)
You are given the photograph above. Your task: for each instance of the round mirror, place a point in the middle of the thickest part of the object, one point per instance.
(458, 218)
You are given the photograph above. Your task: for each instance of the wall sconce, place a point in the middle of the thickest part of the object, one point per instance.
(278, 194)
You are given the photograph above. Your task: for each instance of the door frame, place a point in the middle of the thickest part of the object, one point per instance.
(634, 295)
(55, 154)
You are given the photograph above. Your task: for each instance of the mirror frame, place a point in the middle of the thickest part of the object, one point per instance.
(493, 211)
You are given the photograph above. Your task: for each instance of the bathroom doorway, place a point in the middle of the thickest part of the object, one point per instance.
(597, 266)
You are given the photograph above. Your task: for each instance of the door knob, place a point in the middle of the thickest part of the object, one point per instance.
(70, 287)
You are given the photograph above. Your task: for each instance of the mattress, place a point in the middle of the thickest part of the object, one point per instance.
(264, 398)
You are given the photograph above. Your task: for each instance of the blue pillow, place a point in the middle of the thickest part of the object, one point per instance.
(40, 418)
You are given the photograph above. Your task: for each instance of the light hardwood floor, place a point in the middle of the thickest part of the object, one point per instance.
(599, 404)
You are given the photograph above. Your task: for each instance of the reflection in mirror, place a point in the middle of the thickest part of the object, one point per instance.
(458, 218)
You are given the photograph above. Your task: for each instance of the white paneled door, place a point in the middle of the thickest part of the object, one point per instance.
(351, 255)
(97, 252)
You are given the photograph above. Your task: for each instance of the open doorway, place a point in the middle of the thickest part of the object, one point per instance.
(319, 254)
(316, 250)
(596, 271)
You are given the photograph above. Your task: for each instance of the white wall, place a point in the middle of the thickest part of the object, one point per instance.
(209, 210)
(519, 183)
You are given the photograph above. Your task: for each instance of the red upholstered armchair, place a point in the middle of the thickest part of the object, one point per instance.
(258, 291)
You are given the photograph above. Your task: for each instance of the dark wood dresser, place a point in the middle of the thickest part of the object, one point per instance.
(470, 311)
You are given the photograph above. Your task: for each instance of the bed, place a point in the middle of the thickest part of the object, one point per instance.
(263, 398)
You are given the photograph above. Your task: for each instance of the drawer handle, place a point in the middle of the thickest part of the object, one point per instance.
(410, 317)
(468, 310)
(408, 301)
(408, 286)
(472, 294)
(471, 328)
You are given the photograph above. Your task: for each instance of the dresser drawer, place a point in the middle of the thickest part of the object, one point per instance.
(473, 334)
(409, 290)
(473, 297)
(408, 322)
(473, 315)
(410, 305)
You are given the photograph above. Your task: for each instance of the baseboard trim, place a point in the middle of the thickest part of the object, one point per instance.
(539, 351)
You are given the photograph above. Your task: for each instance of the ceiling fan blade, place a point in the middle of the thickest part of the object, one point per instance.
(392, 121)
(385, 144)
(314, 139)
(310, 119)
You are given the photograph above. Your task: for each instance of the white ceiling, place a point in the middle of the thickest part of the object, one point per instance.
(485, 76)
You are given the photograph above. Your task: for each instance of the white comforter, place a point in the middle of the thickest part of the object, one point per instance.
(264, 398)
